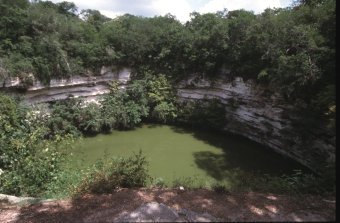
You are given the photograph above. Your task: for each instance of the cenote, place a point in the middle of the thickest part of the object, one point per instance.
(181, 153)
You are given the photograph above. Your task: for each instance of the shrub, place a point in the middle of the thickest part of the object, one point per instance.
(32, 170)
(107, 175)
(28, 161)
(164, 112)
(64, 117)
(89, 119)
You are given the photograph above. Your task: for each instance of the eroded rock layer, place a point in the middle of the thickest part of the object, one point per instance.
(87, 87)
(267, 119)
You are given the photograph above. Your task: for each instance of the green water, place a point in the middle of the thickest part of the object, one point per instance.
(175, 152)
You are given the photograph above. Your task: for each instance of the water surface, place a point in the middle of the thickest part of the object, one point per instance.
(175, 152)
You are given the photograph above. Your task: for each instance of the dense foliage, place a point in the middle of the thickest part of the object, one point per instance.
(28, 161)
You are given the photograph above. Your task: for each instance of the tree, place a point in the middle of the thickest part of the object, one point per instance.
(13, 19)
(209, 37)
(161, 98)
(94, 17)
(67, 8)
(124, 109)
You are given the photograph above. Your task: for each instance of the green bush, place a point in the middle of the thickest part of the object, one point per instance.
(89, 120)
(73, 116)
(105, 176)
(64, 118)
(164, 112)
(32, 170)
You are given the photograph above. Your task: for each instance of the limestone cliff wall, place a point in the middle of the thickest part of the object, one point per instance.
(265, 118)
(87, 87)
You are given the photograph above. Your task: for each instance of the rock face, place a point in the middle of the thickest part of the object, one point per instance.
(265, 118)
(87, 87)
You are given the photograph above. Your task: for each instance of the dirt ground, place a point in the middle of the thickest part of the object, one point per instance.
(228, 207)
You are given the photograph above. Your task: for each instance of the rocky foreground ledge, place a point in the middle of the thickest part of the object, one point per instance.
(171, 205)
(158, 212)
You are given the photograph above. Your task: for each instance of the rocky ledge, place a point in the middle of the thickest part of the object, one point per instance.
(87, 87)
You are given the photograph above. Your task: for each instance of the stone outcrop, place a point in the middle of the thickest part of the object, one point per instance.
(20, 201)
(87, 87)
(265, 118)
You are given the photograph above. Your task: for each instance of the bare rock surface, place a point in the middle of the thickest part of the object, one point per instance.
(159, 212)
(149, 212)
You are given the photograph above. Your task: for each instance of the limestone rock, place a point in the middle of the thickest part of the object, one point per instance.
(87, 87)
(150, 212)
